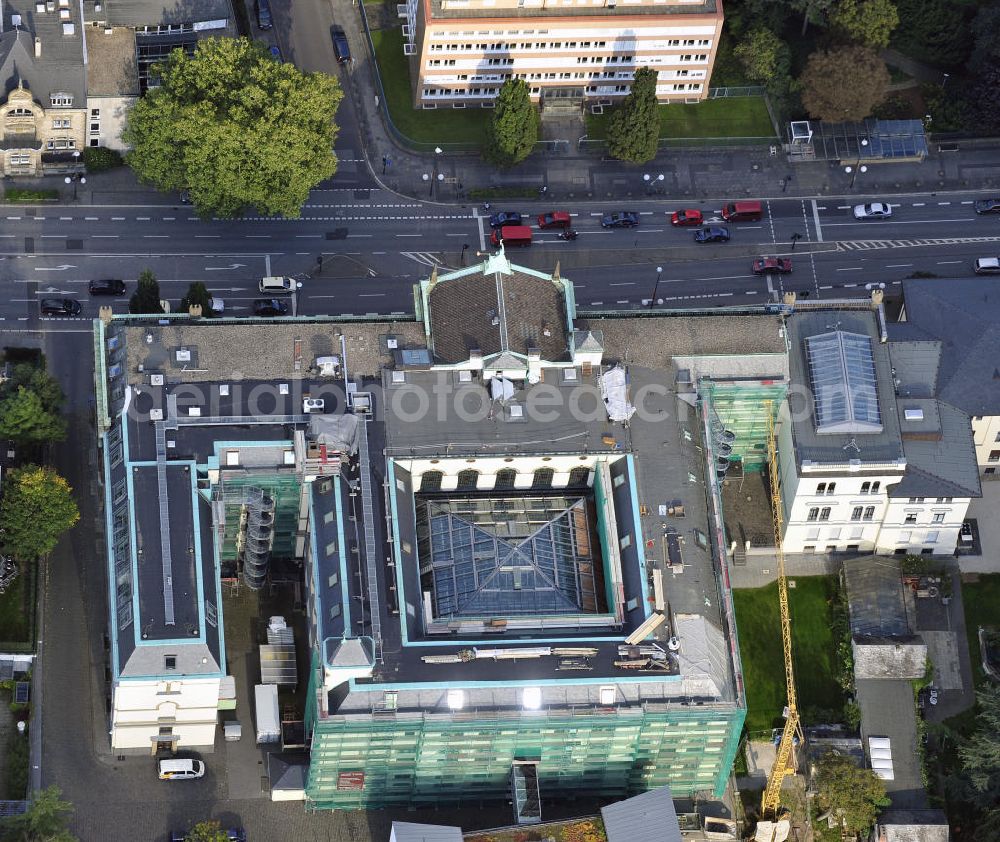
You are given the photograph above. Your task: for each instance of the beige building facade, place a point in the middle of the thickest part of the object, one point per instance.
(39, 140)
(570, 52)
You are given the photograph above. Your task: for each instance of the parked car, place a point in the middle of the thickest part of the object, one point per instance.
(270, 307)
(620, 219)
(60, 307)
(712, 235)
(511, 235)
(341, 49)
(873, 210)
(109, 286)
(987, 266)
(553, 219)
(264, 20)
(180, 769)
(743, 211)
(218, 305)
(987, 205)
(686, 217)
(499, 220)
(775, 265)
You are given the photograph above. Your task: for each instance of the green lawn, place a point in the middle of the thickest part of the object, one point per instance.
(757, 621)
(724, 117)
(981, 601)
(444, 126)
(13, 616)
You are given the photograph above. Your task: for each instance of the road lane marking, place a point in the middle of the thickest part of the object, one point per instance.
(118, 219)
(897, 265)
(944, 203)
(919, 204)
(623, 284)
(819, 229)
(91, 218)
(946, 262)
(142, 219)
(905, 221)
(851, 269)
(966, 202)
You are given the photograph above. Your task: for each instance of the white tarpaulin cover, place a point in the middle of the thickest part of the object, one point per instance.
(614, 392)
(338, 432)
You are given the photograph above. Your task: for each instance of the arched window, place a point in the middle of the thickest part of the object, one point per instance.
(578, 476)
(468, 479)
(505, 478)
(431, 481)
(543, 478)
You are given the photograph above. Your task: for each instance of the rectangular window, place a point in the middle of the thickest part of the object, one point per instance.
(938, 517)
(170, 662)
(931, 537)
(831, 487)
(869, 512)
(994, 456)
(824, 513)
(856, 513)
(813, 514)
(821, 488)
(875, 487)
(989, 471)
(865, 487)
(904, 537)
(911, 517)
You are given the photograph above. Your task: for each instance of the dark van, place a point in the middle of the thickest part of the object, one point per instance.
(264, 14)
(743, 212)
(511, 235)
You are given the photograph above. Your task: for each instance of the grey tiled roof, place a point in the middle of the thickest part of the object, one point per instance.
(965, 316)
(916, 363)
(60, 66)
(156, 12)
(944, 466)
(648, 817)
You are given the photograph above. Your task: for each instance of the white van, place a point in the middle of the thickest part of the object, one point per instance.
(180, 769)
(987, 266)
(276, 285)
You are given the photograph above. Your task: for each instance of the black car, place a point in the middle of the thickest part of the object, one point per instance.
(499, 220)
(264, 20)
(712, 235)
(987, 205)
(340, 46)
(60, 307)
(108, 286)
(269, 307)
(622, 219)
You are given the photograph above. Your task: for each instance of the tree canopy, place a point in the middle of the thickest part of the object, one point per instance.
(764, 56)
(843, 84)
(198, 294)
(44, 821)
(513, 131)
(980, 754)
(634, 127)
(986, 37)
(236, 129)
(986, 98)
(935, 30)
(146, 298)
(851, 794)
(867, 22)
(30, 405)
(36, 509)
(207, 831)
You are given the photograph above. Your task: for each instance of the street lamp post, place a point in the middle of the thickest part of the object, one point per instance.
(435, 177)
(656, 286)
(465, 248)
(795, 238)
(75, 180)
(386, 160)
(853, 172)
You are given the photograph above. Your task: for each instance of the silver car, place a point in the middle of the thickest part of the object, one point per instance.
(873, 210)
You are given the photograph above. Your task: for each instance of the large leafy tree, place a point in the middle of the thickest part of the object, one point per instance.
(634, 127)
(986, 98)
(236, 128)
(44, 821)
(513, 132)
(868, 22)
(986, 36)
(37, 507)
(198, 294)
(935, 30)
(25, 418)
(764, 56)
(843, 84)
(146, 298)
(207, 831)
(980, 757)
(851, 794)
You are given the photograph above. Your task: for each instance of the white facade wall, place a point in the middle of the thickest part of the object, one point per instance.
(489, 466)
(187, 706)
(986, 434)
(106, 117)
(922, 525)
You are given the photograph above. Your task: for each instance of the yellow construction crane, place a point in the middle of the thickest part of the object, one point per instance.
(771, 801)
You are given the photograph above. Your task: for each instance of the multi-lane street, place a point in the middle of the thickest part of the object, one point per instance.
(359, 250)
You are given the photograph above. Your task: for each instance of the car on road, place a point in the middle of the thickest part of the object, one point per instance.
(341, 48)
(108, 286)
(873, 210)
(620, 219)
(686, 217)
(264, 20)
(277, 285)
(769, 265)
(553, 219)
(987, 266)
(715, 234)
(60, 307)
(499, 220)
(218, 305)
(987, 205)
(180, 769)
(270, 307)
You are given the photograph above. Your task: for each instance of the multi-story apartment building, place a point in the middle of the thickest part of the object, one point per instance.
(44, 96)
(569, 51)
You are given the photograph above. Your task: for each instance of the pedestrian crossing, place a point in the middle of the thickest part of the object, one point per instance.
(870, 245)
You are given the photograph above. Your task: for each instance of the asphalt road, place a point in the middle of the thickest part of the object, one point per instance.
(374, 246)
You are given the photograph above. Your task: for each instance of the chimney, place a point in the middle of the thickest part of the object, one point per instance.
(38, 48)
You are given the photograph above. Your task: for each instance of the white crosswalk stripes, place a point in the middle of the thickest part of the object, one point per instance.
(869, 245)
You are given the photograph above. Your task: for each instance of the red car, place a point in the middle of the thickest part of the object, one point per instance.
(686, 217)
(767, 265)
(555, 219)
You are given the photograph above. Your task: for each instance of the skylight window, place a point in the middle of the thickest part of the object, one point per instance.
(842, 372)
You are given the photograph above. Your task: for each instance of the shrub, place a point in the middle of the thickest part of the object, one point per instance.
(100, 159)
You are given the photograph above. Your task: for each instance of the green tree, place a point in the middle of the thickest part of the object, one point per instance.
(36, 508)
(764, 56)
(986, 37)
(45, 820)
(986, 98)
(634, 127)
(980, 754)
(207, 831)
(935, 31)
(868, 22)
(843, 84)
(198, 294)
(25, 418)
(513, 132)
(38, 380)
(146, 298)
(236, 128)
(851, 794)
(100, 158)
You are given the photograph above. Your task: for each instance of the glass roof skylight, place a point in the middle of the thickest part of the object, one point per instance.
(842, 371)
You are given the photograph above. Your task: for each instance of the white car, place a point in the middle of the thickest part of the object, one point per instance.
(873, 210)
(218, 305)
(987, 266)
